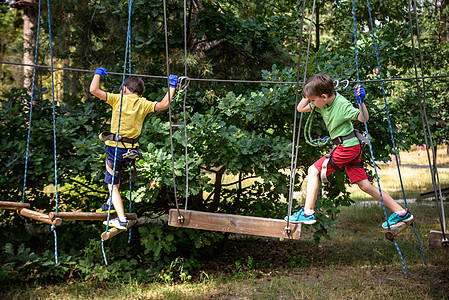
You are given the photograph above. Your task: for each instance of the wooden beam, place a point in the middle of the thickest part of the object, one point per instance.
(234, 223)
(112, 231)
(396, 229)
(430, 194)
(436, 240)
(13, 205)
(39, 216)
(85, 216)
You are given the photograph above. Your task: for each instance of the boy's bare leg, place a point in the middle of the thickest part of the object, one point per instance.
(373, 191)
(117, 200)
(313, 184)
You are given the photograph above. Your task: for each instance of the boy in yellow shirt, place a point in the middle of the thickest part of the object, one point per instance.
(134, 110)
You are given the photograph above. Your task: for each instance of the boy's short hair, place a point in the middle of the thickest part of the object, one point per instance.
(135, 85)
(317, 85)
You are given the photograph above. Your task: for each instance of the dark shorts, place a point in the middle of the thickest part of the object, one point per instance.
(110, 153)
(343, 156)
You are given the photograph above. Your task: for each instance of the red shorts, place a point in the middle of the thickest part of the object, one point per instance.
(343, 156)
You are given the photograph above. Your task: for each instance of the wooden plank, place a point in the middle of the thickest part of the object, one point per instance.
(13, 205)
(39, 216)
(112, 231)
(397, 228)
(234, 223)
(436, 240)
(85, 216)
(425, 195)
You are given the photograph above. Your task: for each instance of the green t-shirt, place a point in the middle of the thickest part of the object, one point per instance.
(338, 117)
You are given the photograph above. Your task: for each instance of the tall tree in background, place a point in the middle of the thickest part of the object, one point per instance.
(30, 14)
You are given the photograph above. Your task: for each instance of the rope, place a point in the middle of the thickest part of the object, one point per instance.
(294, 160)
(219, 80)
(130, 171)
(389, 123)
(118, 126)
(425, 122)
(308, 129)
(184, 107)
(31, 104)
(169, 107)
(367, 134)
(54, 126)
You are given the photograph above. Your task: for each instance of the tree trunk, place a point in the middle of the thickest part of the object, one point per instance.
(317, 28)
(444, 19)
(217, 189)
(29, 43)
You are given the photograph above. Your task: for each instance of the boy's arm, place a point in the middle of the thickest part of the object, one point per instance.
(359, 93)
(95, 84)
(165, 102)
(364, 113)
(304, 105)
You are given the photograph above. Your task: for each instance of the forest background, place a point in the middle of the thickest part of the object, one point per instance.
(240, 130)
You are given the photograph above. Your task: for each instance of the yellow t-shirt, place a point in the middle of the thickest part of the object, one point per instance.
(134, 111)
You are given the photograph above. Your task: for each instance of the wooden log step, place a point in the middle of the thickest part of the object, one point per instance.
(397, 228)
(87, 216)
(234, 224)
(39, 216)
(13, 205)
(436, 240)
(112, 231)
(430, 194)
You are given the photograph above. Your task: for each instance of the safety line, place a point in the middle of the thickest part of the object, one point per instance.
(221, 80)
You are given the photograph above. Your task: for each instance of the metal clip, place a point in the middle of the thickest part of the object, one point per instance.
(183, 86)
(180, 219)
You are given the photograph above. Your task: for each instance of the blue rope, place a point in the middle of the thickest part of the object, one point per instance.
(53, 228)
(402, 258)
(130, 171)
(369, 140)
(389, 123)
(54, 126)
(128, 43)
(31, 104)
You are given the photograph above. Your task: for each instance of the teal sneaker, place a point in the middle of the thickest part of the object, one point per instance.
(301, 217)
(395, 218)
(117, 223)
(105, 207)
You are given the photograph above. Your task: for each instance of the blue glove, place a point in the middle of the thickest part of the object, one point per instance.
(173, 80)
(101, 71)
(360, 96)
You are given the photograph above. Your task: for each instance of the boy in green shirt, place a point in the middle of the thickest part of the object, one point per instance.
(134, 110)
(337, 113)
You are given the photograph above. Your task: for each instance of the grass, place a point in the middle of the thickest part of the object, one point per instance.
(357, 263)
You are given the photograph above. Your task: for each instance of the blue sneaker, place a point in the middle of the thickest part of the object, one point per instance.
(301, 217)
(395, 218)
(117, 223)
(105, 207)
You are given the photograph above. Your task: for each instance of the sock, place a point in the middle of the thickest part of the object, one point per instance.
(308, 212)
(401, 212)
(122, 219)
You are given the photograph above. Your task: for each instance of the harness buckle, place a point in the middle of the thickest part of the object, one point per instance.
(132, 154)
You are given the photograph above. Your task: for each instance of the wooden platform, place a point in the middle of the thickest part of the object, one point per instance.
(112, 231)
(13, 205)
(396, 229)
(444, 191)
(234, 223)
(86, 216)
(436, 240)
